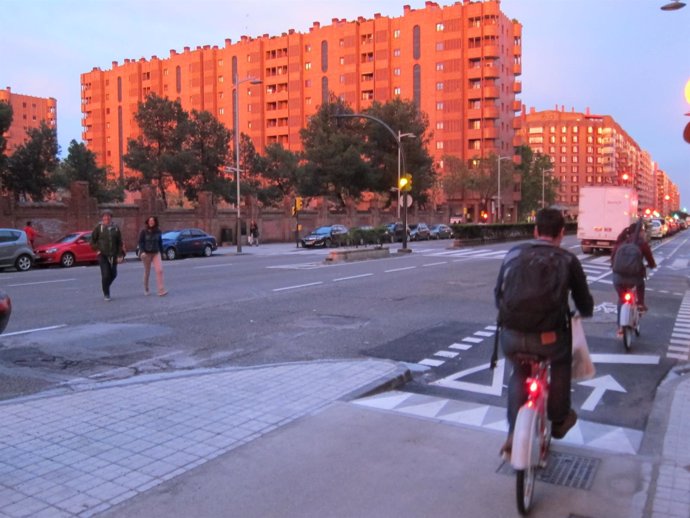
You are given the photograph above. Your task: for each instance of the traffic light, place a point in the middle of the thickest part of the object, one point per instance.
(484, 215)
(297, 206)
(405, 183)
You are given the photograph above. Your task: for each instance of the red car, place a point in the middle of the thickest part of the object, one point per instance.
(67, 251)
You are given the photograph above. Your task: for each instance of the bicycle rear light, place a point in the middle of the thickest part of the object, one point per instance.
(532, 386)
(627, 297)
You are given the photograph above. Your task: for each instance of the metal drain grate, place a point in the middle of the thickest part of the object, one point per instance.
(564, 469)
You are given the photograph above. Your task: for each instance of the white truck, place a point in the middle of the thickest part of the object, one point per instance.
(603, 213)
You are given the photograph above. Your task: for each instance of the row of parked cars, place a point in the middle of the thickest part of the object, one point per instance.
(339, 235)
(15, 250)
(659, 228)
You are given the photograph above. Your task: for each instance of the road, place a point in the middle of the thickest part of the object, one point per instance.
(432, 308)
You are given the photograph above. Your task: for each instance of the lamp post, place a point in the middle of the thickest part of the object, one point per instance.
(236, 83)
(544, 171)
(498, 196)
(398, 140)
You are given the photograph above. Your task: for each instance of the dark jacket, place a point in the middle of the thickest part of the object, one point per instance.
(107, 239)
(576, 279)
(151, 241)
(646, 253)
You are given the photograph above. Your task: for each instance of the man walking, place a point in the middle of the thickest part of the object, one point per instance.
(532, 292)
(107, 239)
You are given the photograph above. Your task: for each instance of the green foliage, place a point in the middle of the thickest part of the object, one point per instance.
(209, 143)
(5, 123)
(455, 178)
(403, 117)
(535, 168)
(28, 169)
(482, 177)
(80, 165)
(161, 153)
(277, 175)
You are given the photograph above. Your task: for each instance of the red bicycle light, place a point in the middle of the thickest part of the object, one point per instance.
(532, 386)
(627, 297)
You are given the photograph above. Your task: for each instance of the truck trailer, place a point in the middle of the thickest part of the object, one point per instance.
(603, 214)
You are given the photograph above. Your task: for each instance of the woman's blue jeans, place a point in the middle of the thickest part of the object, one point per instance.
(560, 355)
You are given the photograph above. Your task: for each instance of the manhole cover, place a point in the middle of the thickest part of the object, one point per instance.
(564, 469)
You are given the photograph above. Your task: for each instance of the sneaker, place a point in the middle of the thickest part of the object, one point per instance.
(107, 298)
(558, 430)
(162, 293)
(507, 448)
(147, 292)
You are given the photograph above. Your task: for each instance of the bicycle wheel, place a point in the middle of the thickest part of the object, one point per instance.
(525, 478)
(627, 337)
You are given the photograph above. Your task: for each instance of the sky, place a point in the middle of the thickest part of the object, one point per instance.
(623, 58)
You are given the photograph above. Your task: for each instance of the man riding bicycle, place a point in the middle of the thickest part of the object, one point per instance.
(541, 324)
(631, 272)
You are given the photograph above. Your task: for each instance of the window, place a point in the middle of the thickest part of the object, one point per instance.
(439, 125)
(439, 46)
(396, 71)
(439, 85)
(396, 53)
(439, 67)
(564, 129)
(307, 48)
(396, 90)
(439, 106)
(307, 66)
(307, 83)
(439, 144)
(221, 111)
(416, 42)
(342, 60)
(220, 64)
(396, 33)
(439, 27)
(221, 79)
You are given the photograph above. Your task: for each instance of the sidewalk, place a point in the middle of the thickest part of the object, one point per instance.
(286, 441)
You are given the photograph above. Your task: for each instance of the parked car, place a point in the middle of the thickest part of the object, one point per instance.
(394, 232)
(187, 241)
(419, 232)
(67, 251)
(441, 231)
(15, 251)
(656, 229)
(325, 236)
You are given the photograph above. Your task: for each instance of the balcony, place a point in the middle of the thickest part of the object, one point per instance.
(517, 105)
(517, 69)
(490, 133)
(517, 87)
(491, 92)
(474, 73)
(517, 123)
(492, 51)
(491, 72)
(490, 112)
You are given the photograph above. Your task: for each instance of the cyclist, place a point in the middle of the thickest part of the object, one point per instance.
(551, 337)
(623, 282)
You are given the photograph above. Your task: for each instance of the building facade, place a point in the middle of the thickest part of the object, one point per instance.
(589, 149)
(27, 112)
(458, 63)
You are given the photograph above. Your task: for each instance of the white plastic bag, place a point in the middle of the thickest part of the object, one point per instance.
(583, 368)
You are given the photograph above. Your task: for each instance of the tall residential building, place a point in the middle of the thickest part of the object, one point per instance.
(27, 112)
(458, 63)
(588, 149)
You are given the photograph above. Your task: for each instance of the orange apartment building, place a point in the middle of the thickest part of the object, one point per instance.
(458, 63)
(588, 149)
(27, 112)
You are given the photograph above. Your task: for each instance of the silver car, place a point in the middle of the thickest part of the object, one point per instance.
(15, 251)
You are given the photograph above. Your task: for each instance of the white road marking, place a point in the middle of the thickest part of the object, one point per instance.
(400, 269)
(39, 282)
(446, 354)
(353, 277)
(431, 363)
(635, 359)
(434, 264)
(298, 286)
(601, 385)
(462, 347)
(36, 330)
(212, 266)
(472, 340)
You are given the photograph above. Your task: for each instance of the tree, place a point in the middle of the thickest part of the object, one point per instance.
(161, 153)
(455, 177)
(209, 143)
(278, 174)
(334, 153)
(534, 169)
(28, 169)
(402, 117)
(80, 165)
(483, 178)
(5, 123)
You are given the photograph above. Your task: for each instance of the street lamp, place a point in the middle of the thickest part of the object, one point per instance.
(398, 139)
(498, 196)
(674, 5)
(236, 83)
(543, 202)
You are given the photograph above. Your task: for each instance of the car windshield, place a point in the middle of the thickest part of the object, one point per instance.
(322, 230)
(174, 234)
(68, 238)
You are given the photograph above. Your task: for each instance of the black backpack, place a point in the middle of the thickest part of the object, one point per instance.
(628, 259)
(534, 294)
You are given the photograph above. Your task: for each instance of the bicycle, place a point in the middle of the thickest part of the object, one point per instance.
(629, 317)
(532, 433)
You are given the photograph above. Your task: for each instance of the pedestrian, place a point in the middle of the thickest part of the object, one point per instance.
(107, 239)
(532, 293)
(253, 234)
(31, 233)
(150, 253)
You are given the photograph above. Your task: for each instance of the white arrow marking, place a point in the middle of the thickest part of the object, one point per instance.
(601, 385)
(495, 389)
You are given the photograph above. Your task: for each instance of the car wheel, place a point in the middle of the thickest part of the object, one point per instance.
(23, 263)
(171, 254)
(327, 243)
(207, 251)
(67, 260)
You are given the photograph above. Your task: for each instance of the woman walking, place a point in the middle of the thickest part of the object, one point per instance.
(150, 250)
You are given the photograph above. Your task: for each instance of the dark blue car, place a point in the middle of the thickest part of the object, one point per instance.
(188, 241)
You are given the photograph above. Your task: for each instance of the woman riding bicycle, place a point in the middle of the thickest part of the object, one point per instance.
(624, 280)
